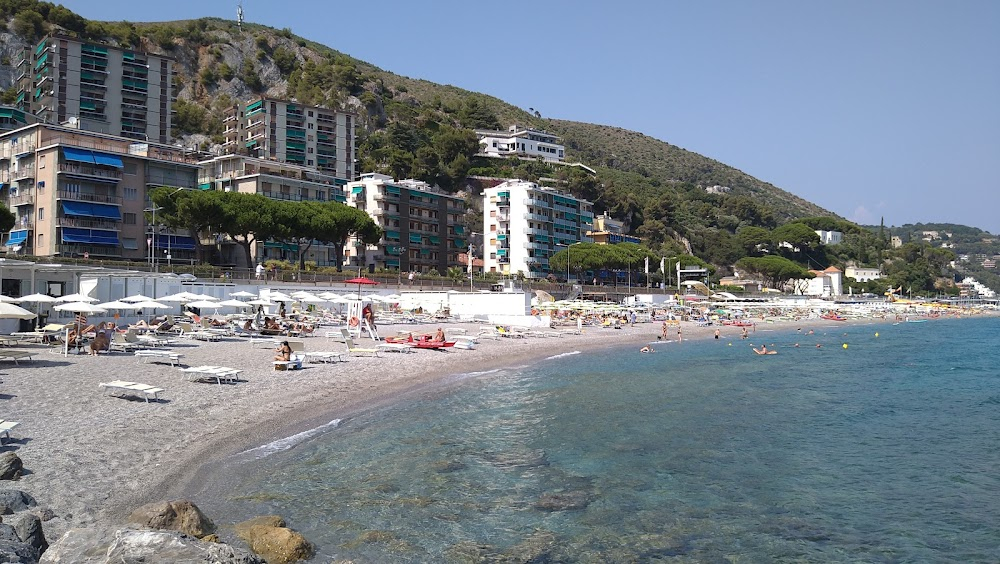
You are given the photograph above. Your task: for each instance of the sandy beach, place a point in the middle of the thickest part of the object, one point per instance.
(92, 457)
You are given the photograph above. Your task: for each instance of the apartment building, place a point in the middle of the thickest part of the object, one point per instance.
(290, 132)
(520, 141)
(12, 118)
(79, 193)
(98, 88)
(524, 224)
(609, 231)
(278, 181)
(422, 225)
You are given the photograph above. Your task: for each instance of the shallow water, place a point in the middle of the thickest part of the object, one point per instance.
(881, 452)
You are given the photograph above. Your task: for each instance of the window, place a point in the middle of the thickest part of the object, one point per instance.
(131, 193)
(130, 243)
(310, 161)
(41, 241)
(128, 218)
(41, 214)
(131, 169)
(41, 161)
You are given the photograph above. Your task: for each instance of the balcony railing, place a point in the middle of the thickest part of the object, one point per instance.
(23, 172)
(83, 197)
(91, 250)
(88, 223)
(282, 196)
(22, 199)
(92, 171)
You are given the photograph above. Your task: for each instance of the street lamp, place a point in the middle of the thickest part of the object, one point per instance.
(568, 257)
(152, 239)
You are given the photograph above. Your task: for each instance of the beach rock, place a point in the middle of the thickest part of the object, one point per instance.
(182, 516)
(268, 536)
(538, 547)
(10, 466)
(16, 551)
(16, 500)
(563, 501)
(29, 530)
(94, 546)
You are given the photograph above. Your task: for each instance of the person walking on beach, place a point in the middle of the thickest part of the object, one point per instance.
(716, 334)
(664, 328)
(679, 333)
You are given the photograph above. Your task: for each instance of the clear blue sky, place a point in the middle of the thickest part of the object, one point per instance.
(869, 109)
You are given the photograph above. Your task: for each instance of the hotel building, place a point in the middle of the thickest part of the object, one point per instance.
(79, 193)
(97, 88)
(290, 132)
(422, 225)
(525, 224)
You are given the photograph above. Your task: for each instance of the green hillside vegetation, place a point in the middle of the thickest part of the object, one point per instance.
(412, 128)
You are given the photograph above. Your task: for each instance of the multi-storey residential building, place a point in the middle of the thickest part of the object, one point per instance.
(290, 132)
(78, 193)
(278, 181)
(423, 229)
(608, 231)
(98, 87)
(521, 142)
(12, 118)
(524, 224)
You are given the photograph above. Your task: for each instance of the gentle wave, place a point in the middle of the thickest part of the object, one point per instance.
(289, 442)
(565, 354)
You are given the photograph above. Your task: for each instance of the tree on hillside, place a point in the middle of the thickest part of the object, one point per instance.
(774, 270)
(755, 241)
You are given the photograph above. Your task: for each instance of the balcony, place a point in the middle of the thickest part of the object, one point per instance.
(88, 223)
(282, 196)
(22, 173)
(106, 174)
(536, 217)
(22, 199)
(90, 250)
(83, 197)
(537, 203)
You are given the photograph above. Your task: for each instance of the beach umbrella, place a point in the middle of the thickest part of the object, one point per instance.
(76, 298)
(328, 295)
(204, 304)
(7, 299)
(361, 281)
(242, 294)
(312, 300)
(301, 294)
(136, 298)
(262, 302)
(234, 303)
(150, 304)
(118, 304)
(279, 297)
(80, 307)
(11, 311)
(38, 299)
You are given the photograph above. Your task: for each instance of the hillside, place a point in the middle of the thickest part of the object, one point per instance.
(412, 127)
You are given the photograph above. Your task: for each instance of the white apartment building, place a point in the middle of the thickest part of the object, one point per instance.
(830, 237)
(521, 142)
(524, 224)
(862, 274)
(422, 225)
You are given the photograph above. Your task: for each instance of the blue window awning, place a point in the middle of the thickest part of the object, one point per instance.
(87, 209)
(17, 237)
(78, 155)
(175, 242)
(92, 157)
(90, 236)
(108, 159)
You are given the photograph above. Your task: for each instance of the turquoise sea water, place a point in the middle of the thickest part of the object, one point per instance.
(886, 451)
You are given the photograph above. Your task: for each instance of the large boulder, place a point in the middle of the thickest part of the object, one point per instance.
(182, 516)
(269, 537)
(132, 546)
(28, 527)
(10, 466)
(13, 548)
(12, 501)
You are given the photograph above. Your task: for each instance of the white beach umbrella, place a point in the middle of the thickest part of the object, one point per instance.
(150, 304)
(301, 294)
(328, 295)
(242, 294)
(206, 297)
(262, 302)
(11, 311)
(80, 307)
(118, 304)
(234, 303)
(351, 297)
(279, 297)
(392, 298)
(7, 299)
(312, 300)
(76, 298)
(204, 304)
(38, 299)
(136, 298)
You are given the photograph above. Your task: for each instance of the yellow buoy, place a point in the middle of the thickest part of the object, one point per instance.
(845, 345)
(730, 344)
(876, 334)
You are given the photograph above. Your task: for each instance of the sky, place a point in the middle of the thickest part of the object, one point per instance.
(872, 110)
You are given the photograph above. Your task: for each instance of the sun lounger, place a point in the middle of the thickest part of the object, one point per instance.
(145, 354)
(293, 363)
(465, 342)
(217, 373)
(15, 355)
(395, 347)
(5, 428)
(120, 343)
(325, 356)
(143, 390)
(353, 349)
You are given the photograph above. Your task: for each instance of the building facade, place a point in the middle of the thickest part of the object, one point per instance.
(79, 193)
(862, 274)
(830, 237)
(277, 181)
(422, 226)
(12, 118)
(521, 142)
(290, 132)
(524, 224)
(98, 88)
(608, 231)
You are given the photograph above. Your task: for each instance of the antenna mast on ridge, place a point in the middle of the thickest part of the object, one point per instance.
(239, 16)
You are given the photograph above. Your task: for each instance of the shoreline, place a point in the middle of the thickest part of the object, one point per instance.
(93, 458)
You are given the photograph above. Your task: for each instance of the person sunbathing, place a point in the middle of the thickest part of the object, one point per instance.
(99, 343)
(284, 352)
(438, 336)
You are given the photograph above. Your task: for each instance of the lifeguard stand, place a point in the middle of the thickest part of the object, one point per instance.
(356, 323)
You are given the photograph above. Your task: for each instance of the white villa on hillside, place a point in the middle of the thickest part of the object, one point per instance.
(827, 283)
(863, 274)
(830, 237)
(521, 142)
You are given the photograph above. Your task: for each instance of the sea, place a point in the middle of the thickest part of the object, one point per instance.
(879, 446)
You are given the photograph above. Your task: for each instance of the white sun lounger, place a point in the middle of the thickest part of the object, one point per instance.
(15, 355)
(135, 388)
(218, 373)
(5, 428)
(145, 354)
(325, 356)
